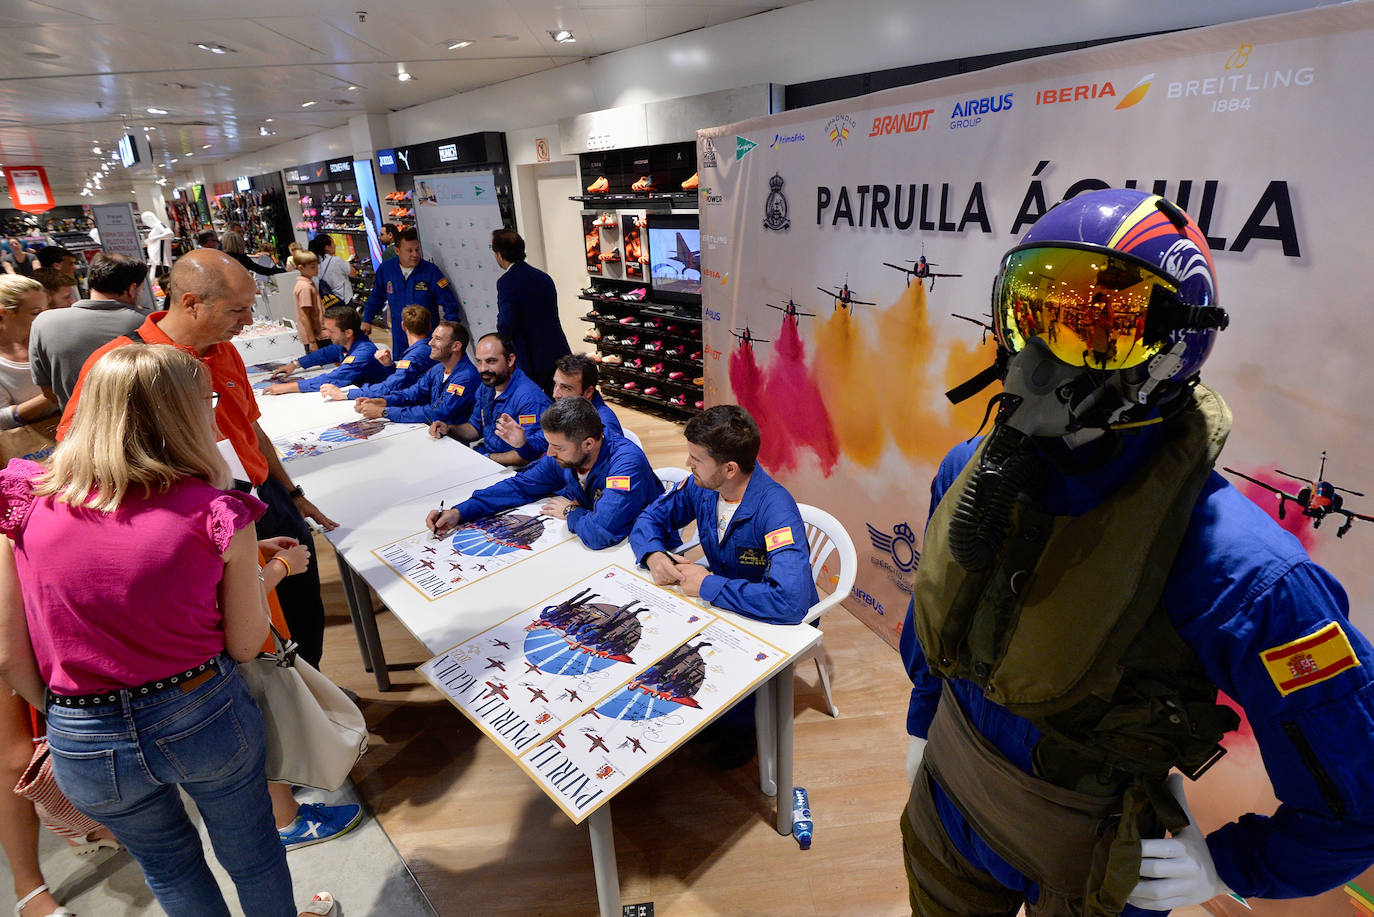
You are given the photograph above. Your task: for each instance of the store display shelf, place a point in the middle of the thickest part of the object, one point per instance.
(673, 311)
(635, 398)
(638, 199)
(648, 331)
(681, 359)
(691, 368)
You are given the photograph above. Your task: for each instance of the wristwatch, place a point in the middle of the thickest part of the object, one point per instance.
(568, 509)
(296, 492)
(385, 416)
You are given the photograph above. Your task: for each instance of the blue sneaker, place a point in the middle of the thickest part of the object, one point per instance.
(316, 823)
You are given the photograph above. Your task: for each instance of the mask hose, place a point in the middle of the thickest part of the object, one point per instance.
(978, 526)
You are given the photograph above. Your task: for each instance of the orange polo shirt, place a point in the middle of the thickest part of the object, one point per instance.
(237, 410)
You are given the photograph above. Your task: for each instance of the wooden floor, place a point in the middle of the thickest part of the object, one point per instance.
(481, 839)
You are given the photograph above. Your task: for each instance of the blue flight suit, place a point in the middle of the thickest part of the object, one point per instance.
(426, 286)
(1240, 586)
(407, 370)
(772, 584)
(437, 396)
(537, 444)
(522, 400)
(620, 484)
(357, 366)
(527, 314)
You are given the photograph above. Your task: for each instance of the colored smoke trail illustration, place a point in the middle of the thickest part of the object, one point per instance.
(1293, 522)
(790, 383)
(847, 378)
(746, 378)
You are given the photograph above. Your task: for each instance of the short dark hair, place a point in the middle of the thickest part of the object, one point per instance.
(579, 364)
(573, 417)
(53, 279)
(407, 234)
(508, 244)
(318, 243)
(416, 319)
(208, 235)
(346, 317)
(461, 334)
(728, 434)
(113, 273)
(50, 255)
(506, 344)
(391, 228)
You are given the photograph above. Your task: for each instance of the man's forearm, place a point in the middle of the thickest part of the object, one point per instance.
(464, 432)
(510, 458)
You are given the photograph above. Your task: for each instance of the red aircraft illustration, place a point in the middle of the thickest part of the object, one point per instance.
(427, 550)
(844, 297)
(634, 746)
(789, 309)
(572, 695)
(500, 643)
(920, 269)
(1318, 500)
(597, 742)
(496, 688)
(452, 566)
(536, 694)
(746, 338)
(557, 739)
(427, 564)
(495, 664)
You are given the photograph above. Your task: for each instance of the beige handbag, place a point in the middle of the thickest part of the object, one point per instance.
(315, 734)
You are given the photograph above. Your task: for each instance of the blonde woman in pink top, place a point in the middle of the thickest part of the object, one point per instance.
(129, 589)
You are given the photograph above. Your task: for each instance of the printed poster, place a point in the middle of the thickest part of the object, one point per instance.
(585, 763)
(455, 215)
(319, 441)
(537, 671)
(437, 567)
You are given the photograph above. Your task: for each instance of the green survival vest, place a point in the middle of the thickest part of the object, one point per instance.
(1067, 628)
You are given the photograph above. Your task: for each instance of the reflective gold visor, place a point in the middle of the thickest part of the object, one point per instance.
(1088, 305)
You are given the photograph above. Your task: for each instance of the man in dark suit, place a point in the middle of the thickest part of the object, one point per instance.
(527, 310)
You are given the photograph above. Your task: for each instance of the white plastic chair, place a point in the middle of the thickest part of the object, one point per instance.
(671, 477)
(824, 536)
(630, 435)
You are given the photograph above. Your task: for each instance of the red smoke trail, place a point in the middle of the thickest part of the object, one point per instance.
(790, 383)
(778, 448)
(1293, 522)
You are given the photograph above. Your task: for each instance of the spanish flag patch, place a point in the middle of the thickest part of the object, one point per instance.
(403, 364)
(528, 418)
(1310, 660)
(443, 281)
(455, 389)
(778, 538)
(618, 483)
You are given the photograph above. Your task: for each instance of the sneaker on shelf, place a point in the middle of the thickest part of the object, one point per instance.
(679, 400)
(699, 405)
(699, 380)
(677, 375)
(676, 351)
(600, 186)
(692, 183)
(630, 341)
(628, 320)
(656, 369)
(651, 390)
(595, 357)
(654, 345)
(316, 823)
(635, 295)
(694, 332)
(595, 333)
(645, 183)
(629, 386)
(587, 291)
(635, 363)
(405, 195)
(611, 358)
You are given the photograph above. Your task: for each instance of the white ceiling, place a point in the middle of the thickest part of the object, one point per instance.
(114, 59)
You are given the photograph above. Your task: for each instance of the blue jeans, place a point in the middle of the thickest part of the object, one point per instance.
(122, 764)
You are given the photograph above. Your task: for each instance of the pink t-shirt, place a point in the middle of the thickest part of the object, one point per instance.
(114, 600)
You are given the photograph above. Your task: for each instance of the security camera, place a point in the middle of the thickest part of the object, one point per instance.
(362, 15)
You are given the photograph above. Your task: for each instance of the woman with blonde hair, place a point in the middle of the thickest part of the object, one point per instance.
(22, 299)
(129, 591)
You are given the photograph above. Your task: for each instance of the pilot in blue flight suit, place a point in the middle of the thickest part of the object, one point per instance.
(409, 367)
(574, 374)
(407, 279)
(447, 392)
(355, 354)
(600, 509)
(1086, 586)
(506, 392)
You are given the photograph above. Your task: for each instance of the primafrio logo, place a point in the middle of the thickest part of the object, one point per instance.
(775, 207)
(785, 139)
(837, 129)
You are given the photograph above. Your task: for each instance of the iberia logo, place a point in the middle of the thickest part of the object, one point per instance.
(618, 483)
(1137, 92)
(778, 538)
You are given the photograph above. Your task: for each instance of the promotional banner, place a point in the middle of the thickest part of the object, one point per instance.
(456, 215)
(29, 189)
(848, 251)
(119, 232)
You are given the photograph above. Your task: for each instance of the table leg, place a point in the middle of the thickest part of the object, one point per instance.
(782, 722)
(367, 622)
(355, 612)
(603, 861)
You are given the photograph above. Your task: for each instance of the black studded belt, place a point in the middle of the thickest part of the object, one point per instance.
(185, 681)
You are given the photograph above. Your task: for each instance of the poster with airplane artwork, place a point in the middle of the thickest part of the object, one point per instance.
(539, 670)
(321, 440)
(585, 763)
(437, 567)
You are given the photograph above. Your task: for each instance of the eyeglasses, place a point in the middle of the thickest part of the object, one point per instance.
(214, 400)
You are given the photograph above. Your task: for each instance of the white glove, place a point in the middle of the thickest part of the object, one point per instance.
(1177, 871)
(915, 750)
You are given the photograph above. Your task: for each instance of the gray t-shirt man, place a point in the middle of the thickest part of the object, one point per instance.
(61, 340)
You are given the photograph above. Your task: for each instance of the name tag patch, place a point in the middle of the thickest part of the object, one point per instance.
(421, 286)
(778, 538)
(618, 483)
(1310, 660)
(751, 557)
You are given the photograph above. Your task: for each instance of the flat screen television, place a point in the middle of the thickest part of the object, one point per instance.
(675, 257)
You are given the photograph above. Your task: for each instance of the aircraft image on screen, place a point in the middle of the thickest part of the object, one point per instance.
(1318, 500)
(684, 257)
(789, 309)
(844, 297)
(920, 269)
(747, 339)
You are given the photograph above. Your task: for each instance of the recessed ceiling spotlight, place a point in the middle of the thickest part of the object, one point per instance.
(505, 37)
(213, 47)
(96, 151)
(308, 104)
(172, 160)
(267, 120)
(188, 155)
(458, 44)
(562, 36)
(402, 74)
(351, 89)
(156, 111)
(205, 146)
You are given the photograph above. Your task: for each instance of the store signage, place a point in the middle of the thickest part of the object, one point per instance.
(541, 150)
(29, 188)
(242, 183)
(325, 170)
(478, 149)
(448, 152)
(386, 162)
